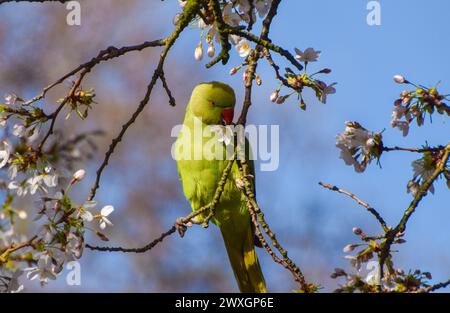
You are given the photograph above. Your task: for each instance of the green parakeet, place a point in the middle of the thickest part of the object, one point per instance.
(213, 104)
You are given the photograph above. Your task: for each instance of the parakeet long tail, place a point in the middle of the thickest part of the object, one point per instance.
(244, 260)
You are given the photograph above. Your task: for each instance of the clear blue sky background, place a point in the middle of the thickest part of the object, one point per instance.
(412, 40)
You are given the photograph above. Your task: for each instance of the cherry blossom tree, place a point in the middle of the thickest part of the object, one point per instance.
(38, 161)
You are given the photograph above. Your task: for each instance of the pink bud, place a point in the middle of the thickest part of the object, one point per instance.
(198, 54)
(399, 79)
(274, 95)
(79, 175)
(349, 248)
(211, 51)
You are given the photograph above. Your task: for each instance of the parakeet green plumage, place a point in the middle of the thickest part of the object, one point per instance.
(212, 104)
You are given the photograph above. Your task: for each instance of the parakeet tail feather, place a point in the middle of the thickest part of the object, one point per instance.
(244, 260)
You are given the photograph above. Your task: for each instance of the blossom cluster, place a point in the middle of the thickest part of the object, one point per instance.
(424, 168)
(35, 174)
(298, 81)
(416, 105)
(359, 146)
(399, 281)
(234, 13)
(369, 279)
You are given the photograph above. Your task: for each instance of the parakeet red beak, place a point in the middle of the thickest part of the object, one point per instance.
(227, 116)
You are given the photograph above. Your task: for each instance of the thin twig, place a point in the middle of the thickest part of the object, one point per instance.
(359, 201)
(182, 223)
(253, 206)
(104, 55)
(223, 36)
(267, 44)
(416, 150)
(190, 10)
(167, 89)
(55, 114)
(437, 286)
(276, 68)
(5, 254)
(146, 248)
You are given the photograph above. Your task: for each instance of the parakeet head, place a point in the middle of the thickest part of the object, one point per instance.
(213, 103)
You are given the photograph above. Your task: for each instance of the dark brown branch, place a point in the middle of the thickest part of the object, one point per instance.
(167, 89)
(55, 114)
(253, 206)
(360, 202)
(190, 11)
(223, 36)
(181, 224)
(276, 68)
(438, 286)
(441, 167)
(391, 235)
(266, 44)
(250, 14)
(417, 150)
(253, 61)
(104, 55)
(135, 250)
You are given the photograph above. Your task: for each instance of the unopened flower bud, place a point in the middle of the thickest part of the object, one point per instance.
(274, 95)
(427, 275)
(258, 80)
(325, 71)
(398, 102)
(339, 272)
(433, 91)
(357, 231)
(281, 99)
(198, 54)
(211, 51)
(302, 105)
(370, 143)
(234, 70)
(79, 175)
(399, 79)
(176, 18)
(349, 248)
(406, 100)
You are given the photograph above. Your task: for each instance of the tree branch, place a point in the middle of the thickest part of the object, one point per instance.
(360, 202)
(190, 11)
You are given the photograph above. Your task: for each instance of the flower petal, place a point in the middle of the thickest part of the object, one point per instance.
(106, 210)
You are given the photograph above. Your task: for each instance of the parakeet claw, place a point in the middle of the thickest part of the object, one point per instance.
(182, 226)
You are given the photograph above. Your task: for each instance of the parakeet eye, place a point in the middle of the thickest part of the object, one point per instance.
(213, 104)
